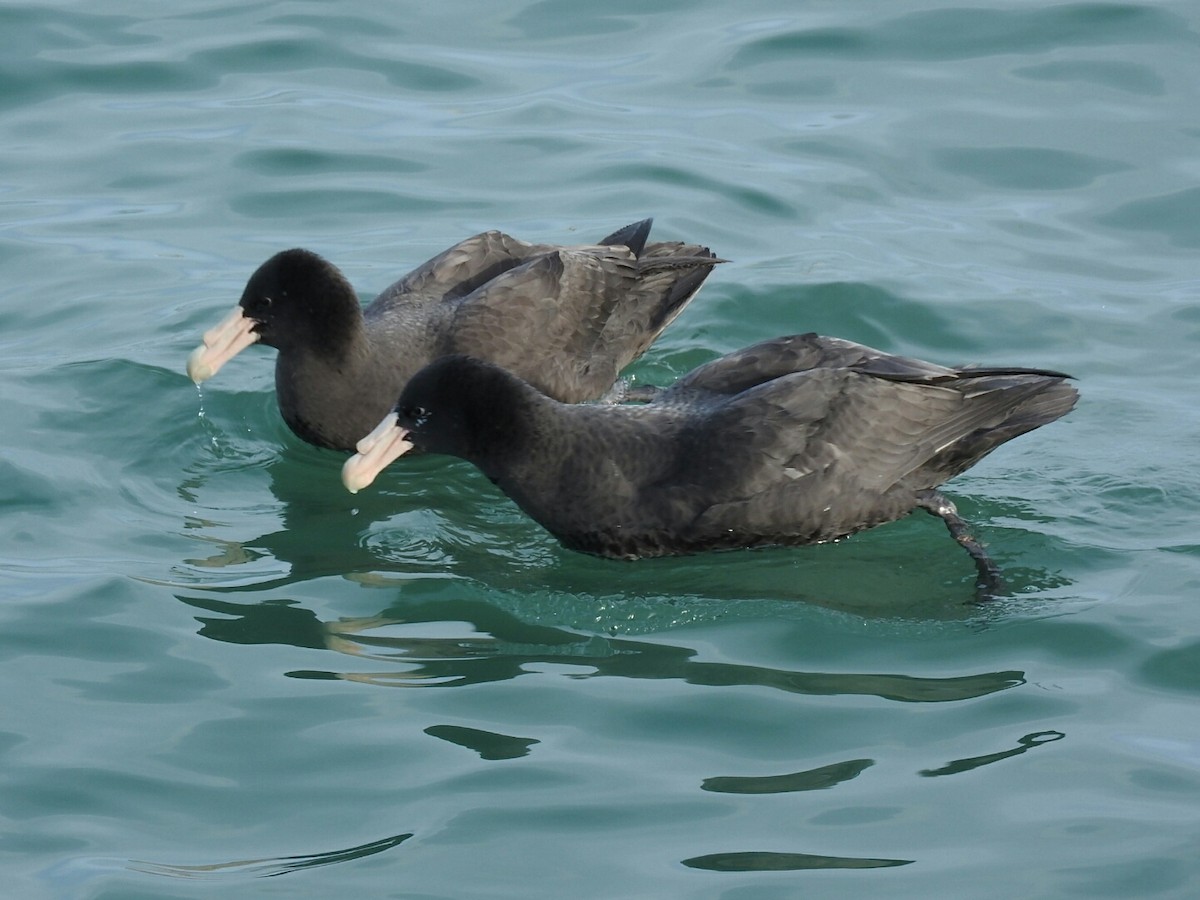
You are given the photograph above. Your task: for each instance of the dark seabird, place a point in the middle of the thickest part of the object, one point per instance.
(566, 319)
(796, 440)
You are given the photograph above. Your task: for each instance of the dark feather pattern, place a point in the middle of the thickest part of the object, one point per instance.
(795, 440)
(567, 319)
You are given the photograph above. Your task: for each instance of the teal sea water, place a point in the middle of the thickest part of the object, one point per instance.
(216, 666)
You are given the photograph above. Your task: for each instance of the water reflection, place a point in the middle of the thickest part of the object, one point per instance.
(320, 529)
(501, 647)
(270, 867)
(488, 744)
(763, 861)
(812, 780)
(1025, 744)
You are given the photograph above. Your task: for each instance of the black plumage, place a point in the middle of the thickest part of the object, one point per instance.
(795, 440)
(566, 319)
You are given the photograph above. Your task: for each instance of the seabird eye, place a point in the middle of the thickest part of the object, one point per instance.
(258, 305)
(418, 415)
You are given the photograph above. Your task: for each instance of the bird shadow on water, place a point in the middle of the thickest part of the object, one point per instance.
(509, 606)
(523, 602)
(488, 644)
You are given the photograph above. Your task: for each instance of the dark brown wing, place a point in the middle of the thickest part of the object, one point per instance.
(570, 320)
(542, 320)
(458, 270)
(471, 263)
(831, 450)
(768, 360)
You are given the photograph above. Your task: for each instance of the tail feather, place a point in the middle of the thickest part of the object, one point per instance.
(1054, 402)
(672, 282)
(990, 371)
(1055, 399)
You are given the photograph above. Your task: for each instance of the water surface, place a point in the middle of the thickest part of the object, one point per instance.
(219, 667)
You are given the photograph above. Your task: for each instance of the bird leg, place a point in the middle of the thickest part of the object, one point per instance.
(990, 582)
